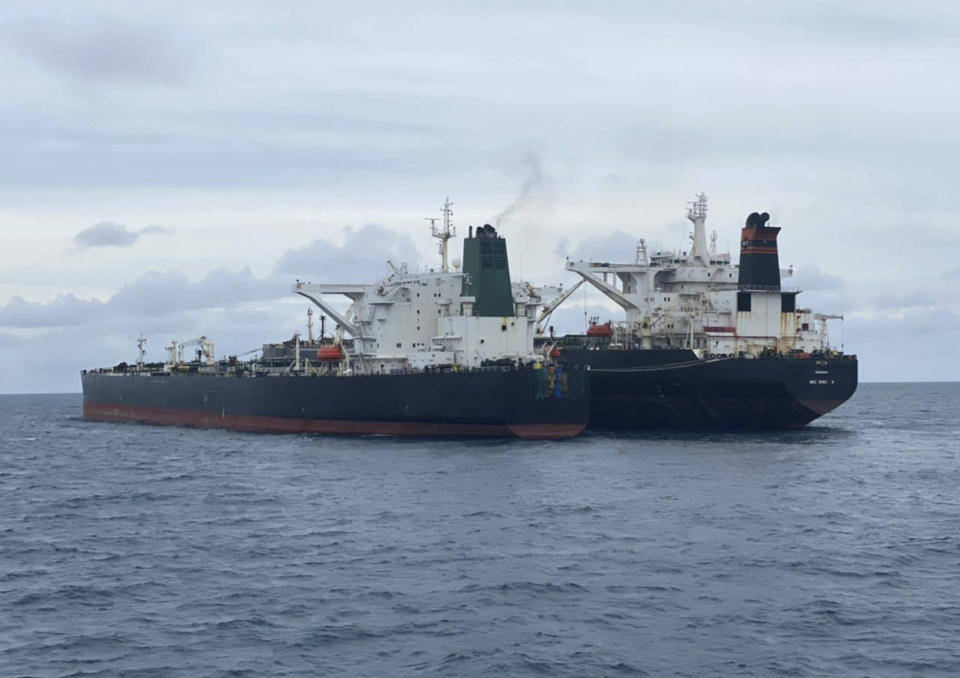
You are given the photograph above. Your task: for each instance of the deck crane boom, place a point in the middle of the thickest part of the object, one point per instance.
(175, 351)
(552, 306)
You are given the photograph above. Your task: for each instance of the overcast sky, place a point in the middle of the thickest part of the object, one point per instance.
(170, 168)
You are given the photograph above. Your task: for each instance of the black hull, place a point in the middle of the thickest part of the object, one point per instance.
(635, 390)
(486, 403)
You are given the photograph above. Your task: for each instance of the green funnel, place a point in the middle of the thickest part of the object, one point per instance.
(487, 273)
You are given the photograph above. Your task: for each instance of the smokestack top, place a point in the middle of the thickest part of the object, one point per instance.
(757, 236)
(759, 260)
(755, 220)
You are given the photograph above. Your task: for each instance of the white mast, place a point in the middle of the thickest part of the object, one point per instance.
(697, 213)
(172, 353)
(642, 259)
(310, 325)
(141, 351)
(445, 232)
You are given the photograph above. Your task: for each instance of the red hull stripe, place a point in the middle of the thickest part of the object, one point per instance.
(243, 422)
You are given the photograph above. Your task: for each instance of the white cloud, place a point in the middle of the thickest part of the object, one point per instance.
(152, 294)
(812, 277)
(102, 48)
(158, 293)
(110, 234)
(249, 130)
(66, 310)
(361, 258)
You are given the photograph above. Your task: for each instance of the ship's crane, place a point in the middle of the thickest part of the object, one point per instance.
(552, 306)
(205, 352)
(823, 329)
(315, 294)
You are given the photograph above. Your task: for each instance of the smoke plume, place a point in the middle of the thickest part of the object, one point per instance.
(533, 181)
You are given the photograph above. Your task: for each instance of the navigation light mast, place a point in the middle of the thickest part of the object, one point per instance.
(445, 232)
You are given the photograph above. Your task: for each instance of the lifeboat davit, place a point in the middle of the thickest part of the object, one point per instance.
(604, 330)
(330, 353)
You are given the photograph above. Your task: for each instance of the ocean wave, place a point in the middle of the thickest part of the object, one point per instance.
(131, 550)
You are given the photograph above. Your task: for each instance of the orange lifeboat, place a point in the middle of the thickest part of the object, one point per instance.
(595, 330)
(330, 353)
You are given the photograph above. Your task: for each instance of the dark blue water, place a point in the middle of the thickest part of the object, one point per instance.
(142, 551)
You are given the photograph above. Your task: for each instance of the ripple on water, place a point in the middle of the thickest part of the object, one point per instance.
(130, 550)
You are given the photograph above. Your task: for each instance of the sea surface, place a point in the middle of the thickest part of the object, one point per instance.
(129, 550)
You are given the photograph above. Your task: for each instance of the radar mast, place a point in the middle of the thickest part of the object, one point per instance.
(697, 213)
(445, 232)
(642, 259)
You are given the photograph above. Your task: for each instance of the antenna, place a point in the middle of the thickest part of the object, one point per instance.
(445, 232)
(698, 207)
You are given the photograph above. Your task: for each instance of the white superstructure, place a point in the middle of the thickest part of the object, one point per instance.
(418, 320)
(696, 300)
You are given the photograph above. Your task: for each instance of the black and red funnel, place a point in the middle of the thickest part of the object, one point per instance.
(759, 260)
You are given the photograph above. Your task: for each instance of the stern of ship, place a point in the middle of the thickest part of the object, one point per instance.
(550, 402)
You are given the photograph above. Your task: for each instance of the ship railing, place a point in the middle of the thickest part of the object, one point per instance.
(255, 372)
(768, 288)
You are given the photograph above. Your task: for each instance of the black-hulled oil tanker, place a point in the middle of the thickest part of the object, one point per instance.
(706, 343)
(493, 401)
(434, 353)
(643, 389)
